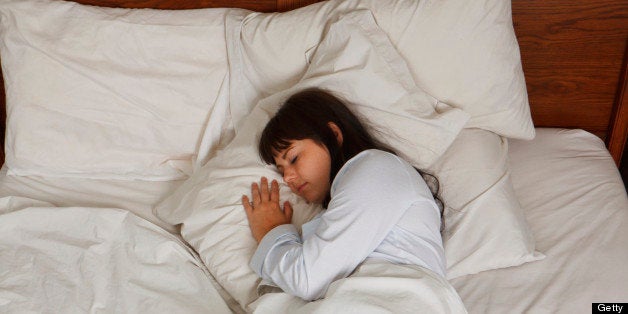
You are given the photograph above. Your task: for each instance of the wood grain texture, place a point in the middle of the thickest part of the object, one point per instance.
(572, 55)
(618, 129)
(287, 5)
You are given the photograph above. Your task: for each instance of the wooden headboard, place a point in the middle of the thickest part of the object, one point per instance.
(574, 55)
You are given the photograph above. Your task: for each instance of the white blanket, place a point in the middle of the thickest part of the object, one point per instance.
(87, 260)
(374, 287)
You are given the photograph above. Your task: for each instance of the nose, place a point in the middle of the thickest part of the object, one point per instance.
(289, 175)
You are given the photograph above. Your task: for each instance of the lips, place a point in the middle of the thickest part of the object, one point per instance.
(301, 187)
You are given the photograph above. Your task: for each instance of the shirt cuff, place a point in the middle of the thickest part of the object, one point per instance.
(267, 243)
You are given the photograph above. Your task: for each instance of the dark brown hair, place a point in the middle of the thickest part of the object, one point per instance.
(306, 115)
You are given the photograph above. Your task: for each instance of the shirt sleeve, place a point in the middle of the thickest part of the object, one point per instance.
(369, 196)
(280, 234)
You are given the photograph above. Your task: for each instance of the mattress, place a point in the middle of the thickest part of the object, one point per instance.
(576, 206)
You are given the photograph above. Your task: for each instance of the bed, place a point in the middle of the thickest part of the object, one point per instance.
(128, 138)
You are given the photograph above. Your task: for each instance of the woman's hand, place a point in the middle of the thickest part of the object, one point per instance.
(264, 213)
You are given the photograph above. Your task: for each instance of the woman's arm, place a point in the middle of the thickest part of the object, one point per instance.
(369, 196)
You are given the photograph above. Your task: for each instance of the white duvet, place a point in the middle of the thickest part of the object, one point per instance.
(374, 287)
(96, 260)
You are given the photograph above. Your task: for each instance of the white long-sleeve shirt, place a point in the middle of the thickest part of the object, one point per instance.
(380, 208)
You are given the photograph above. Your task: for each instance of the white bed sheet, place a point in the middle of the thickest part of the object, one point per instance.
(577, 208)
(97, 260)
(105, 201)
(138, 197)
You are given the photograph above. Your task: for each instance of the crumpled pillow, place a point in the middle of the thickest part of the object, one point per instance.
(109, 93)
(485, 226)
(464, 53)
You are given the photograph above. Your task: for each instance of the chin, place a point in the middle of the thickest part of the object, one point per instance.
(311, 200)
(317, 201)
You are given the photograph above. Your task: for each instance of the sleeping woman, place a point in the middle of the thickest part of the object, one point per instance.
(377, 205)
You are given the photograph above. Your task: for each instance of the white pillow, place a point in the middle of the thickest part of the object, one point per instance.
(356, 61)
(464, 53)
(110, 93)
(485, 227)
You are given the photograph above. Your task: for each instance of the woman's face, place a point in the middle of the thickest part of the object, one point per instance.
(305, 167)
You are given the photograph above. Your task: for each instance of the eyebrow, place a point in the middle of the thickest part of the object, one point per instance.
(283, 156)
(286, 152)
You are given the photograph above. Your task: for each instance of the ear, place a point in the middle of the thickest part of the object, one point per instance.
(337, 132)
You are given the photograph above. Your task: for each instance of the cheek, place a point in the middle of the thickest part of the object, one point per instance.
(323, 176)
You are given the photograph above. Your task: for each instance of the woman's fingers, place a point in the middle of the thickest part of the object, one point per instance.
(264, 193)
(255, 193)
(247, 206)
(287, 210)
(274, 192)
(265, 213)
